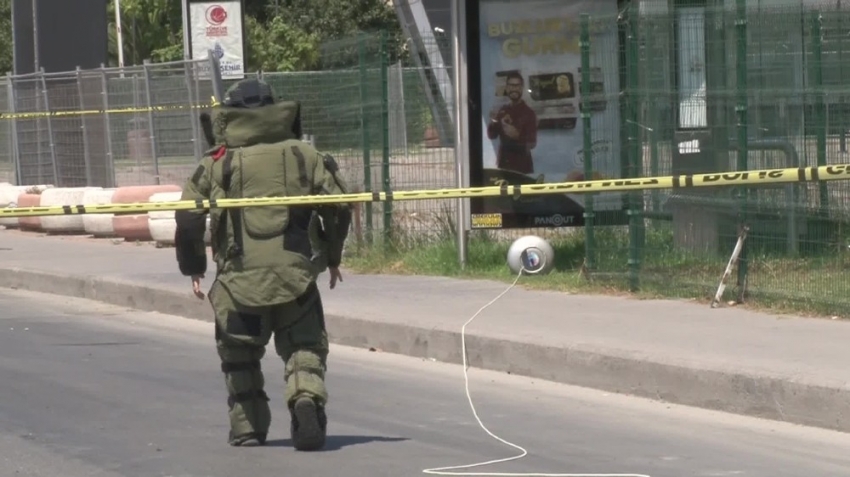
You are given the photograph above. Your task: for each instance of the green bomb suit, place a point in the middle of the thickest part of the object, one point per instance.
(268, 259)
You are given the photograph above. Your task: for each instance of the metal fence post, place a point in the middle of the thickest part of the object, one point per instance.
(146, 69)
(820, 108)
(107, 129)
(196, 136)
(364, 125)
(196, 76)
(458, 76)
(36, 122)
(215, 76)
(15, 150)
(842, 115)
(385, 126)
(56, 177)
(743, 134)
(635, 199)
(587, 148)
(86, 152)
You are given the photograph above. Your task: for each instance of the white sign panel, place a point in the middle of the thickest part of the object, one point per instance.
(217, 26)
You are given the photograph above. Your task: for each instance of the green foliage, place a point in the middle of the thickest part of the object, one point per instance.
(5, 36)
(280, 46)
(336, 19)
(281, 35)
(152, 29)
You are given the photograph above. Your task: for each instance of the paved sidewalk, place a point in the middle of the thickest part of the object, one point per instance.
(734, 360)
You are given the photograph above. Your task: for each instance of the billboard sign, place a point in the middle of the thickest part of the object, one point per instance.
(527, 128)
(218, 26)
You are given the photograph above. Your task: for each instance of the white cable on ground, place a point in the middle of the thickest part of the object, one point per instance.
(523, 452)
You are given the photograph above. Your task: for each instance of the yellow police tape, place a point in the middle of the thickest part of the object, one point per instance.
(751, 178)
(64, 114)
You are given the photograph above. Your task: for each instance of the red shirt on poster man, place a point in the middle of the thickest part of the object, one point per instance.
(515, 124)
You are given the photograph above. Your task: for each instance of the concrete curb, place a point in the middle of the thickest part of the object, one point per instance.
(780, 399)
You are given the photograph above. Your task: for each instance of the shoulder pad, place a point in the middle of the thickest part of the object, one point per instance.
(330, 163)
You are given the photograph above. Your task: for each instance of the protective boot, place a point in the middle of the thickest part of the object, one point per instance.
(250, 418)
(247, 440)
(309, 424)
(247, 402)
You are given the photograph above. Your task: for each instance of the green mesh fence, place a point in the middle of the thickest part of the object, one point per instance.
(373, 111)
(729, 86)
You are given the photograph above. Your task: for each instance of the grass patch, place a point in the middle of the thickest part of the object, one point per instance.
(815, 285)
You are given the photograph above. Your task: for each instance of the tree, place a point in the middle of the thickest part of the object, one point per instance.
(152, 29)
(279, 46)
(335, 19)
(6, 36)
(281, 35)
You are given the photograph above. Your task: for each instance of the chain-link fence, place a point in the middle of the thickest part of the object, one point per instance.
(105, 127)
(139, 125)
(738, 86)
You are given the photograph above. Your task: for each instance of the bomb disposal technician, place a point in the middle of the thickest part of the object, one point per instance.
(268, 258)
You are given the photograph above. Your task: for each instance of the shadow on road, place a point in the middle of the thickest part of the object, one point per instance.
(333, 443)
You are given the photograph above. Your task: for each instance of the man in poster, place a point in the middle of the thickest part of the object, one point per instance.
(515, 124)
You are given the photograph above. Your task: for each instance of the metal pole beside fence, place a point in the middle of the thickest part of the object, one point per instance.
(86, 151)
(743, 134)
(819, 106)
(584, 42)
(197, 79)
(56, 177)
(106, 127)
(635, 200)
(215, 76)
(196, 136)
(385, 133)
(364, 127)
(459, 72)
(146, 69)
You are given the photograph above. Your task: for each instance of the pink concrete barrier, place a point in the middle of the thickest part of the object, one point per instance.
(9, 199)
(32, 224)
(133, 227)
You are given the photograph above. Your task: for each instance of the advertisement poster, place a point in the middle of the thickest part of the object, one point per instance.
(532, 131)
(217, 26)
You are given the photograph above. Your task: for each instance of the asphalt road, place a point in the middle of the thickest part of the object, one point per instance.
(94, 390)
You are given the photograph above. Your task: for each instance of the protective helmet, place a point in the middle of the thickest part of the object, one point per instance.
(249, 93)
